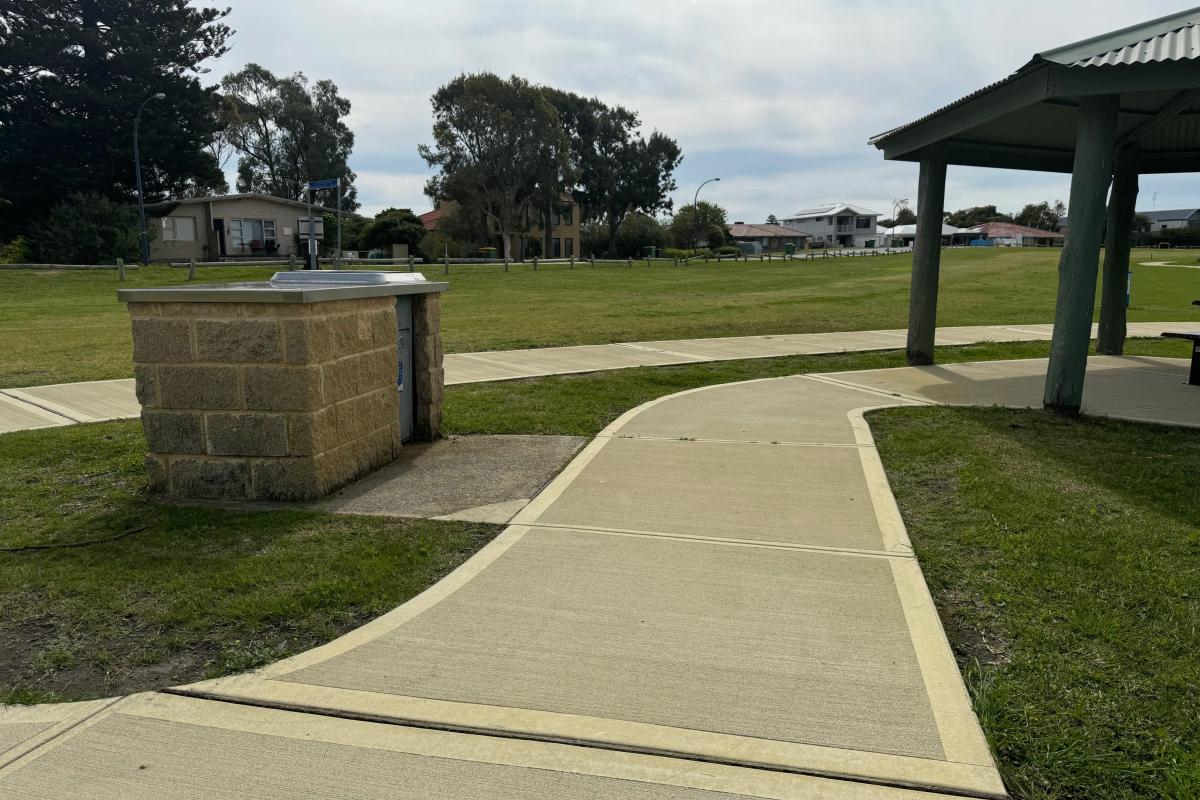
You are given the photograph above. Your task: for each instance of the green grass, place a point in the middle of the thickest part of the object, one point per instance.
(196, 591)
(581, 405)
(68, 326)
(1064, 558)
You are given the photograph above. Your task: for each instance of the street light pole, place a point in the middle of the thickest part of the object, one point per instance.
(696, 205)
(137, 169)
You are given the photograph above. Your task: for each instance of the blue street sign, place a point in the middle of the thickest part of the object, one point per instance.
(326, 184)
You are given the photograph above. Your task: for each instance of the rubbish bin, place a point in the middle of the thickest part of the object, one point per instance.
(487, 252)
(650, 251)
(789, 249)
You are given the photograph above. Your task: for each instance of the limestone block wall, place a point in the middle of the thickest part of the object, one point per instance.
(268, 401)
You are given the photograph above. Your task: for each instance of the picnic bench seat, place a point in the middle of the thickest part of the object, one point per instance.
(1194, 338)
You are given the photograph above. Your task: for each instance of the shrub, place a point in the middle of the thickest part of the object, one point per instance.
(87, 229)
(729, 250)
(679, 252)
(18, 251)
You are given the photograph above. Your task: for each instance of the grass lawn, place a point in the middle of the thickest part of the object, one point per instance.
(1064, 558)
(195, 592)
(67, 326)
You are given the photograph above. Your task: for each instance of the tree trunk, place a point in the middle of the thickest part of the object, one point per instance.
(547, 251)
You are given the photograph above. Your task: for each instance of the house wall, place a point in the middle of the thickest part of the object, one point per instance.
(826, 229)
(204, 246)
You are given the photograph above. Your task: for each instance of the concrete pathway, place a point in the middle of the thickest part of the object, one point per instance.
(716, 599)
(96, 401)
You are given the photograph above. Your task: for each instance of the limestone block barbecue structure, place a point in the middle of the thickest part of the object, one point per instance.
(284, 389)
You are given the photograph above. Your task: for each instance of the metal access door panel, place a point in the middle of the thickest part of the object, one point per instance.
(404, 375)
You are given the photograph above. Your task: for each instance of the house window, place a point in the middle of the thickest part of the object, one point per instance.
(557, 247)
(568, 247)
(178, 229)
(245, 232)
(818, 220)
(863, 223)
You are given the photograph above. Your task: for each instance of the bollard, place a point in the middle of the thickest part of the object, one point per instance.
(192, 269)
(292, 262)
(629, 262)
(535, 260)
(572, 261)
(121, 270)
(410, 262)
(592, 261)
(446, 264)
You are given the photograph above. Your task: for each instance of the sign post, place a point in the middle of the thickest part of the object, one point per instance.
(312, 186)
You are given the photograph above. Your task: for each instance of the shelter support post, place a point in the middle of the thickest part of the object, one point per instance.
(927, 255)
(1110, 340)
(1078, 265)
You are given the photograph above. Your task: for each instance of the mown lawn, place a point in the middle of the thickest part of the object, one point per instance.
(68, 326)
(189, 592)
(1064, 558)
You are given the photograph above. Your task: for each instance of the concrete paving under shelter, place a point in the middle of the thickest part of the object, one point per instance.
(716, 598)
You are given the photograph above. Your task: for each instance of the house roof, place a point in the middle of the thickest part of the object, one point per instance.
(740, 230)
(1170, 214)
(170, 205)
(430, 219)
(911, 230)
(833, 208)
(1028, 120)
(1008, 230)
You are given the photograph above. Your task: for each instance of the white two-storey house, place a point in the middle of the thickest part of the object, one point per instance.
(837, 224)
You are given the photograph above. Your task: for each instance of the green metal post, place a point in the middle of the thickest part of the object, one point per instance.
(927, 255)
(1110, 340)
(1078, 265)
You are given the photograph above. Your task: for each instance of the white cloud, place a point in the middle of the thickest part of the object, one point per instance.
(778, 99)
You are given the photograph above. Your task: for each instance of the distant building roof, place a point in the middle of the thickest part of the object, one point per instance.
(833, 208)
(429, 220)
(170, 205)
(1171, 214)
(911, 230)
(740, 230)
(1010, 230)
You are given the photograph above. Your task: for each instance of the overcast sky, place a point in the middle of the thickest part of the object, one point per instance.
(776, 99)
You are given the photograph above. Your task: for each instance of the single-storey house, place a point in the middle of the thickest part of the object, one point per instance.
(1173, 218)
(562, 239)
(1009, 234)
(229, 226)
(768, 236)
(905, 235)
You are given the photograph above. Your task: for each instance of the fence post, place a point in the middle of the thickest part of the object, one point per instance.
(592, 260)
(629, 262)
(535, 260)
(292, 261)
(572, 261)
(192, 269)
(410, 262)
(121, 270)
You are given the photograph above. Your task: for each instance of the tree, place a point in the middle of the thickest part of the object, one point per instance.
(772, 219)
(701, 223)
(392, 226)
(618, 170)
(976, 215)
(72, 76)
(904, 216)
(287, 133)
(1042, 216)
(637, 232)
(87, 229)
(1141, 223)
(499, 146)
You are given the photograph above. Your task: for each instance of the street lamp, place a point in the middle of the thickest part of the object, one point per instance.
(137, 169)
(696, 205)
(895, 210)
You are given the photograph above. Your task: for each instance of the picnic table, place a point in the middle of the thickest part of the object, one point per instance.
(1194, 338)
